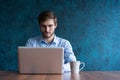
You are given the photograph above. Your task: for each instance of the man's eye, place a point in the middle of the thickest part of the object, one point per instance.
(50, 25)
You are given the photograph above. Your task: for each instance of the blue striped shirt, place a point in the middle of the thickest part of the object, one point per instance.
(57, 42)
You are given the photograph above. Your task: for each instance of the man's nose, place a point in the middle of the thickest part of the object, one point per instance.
(47, 29)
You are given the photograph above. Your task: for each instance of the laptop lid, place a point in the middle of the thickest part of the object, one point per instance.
(36, 60)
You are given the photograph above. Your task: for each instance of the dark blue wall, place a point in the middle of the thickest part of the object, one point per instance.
(92, 27)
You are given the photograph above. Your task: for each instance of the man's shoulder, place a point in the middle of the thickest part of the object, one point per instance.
(63, 42)
(34, 38)
(61, 39)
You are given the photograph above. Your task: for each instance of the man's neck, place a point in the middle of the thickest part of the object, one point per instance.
(49, 40)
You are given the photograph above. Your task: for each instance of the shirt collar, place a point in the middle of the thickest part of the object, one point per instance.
(55, 40)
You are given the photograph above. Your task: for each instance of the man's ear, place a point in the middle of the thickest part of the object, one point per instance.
(56, 25)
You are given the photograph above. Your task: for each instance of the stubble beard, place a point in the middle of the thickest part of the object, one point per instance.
(47, 36)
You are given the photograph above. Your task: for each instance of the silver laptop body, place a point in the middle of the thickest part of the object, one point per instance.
(36, 60)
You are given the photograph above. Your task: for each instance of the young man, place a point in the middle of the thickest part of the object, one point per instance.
(48, 23)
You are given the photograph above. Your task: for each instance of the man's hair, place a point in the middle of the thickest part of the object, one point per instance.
(47, 15)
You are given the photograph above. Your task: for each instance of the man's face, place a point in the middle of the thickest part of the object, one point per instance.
(48, 28)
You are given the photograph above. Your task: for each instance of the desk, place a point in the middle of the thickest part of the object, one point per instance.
(83, 75)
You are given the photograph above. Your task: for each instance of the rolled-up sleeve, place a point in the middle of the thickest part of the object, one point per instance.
(68, 53)
(69, 56)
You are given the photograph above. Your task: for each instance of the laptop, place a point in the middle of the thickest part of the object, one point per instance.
(37, 60)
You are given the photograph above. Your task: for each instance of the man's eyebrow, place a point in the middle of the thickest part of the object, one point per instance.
(46, 25)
